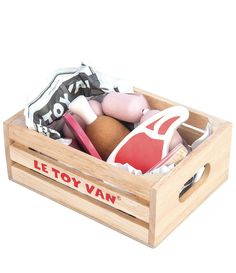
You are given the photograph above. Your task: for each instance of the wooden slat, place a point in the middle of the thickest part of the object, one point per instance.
(188, 134)
(87, 164)
(179, 155)
(197, 119)
(83, 204)
(123, 201)
(167, 211)
(176, 158)
(8, 141)
(162, 191)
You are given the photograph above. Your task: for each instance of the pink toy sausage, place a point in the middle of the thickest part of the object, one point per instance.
(126, 107)
(176, 139)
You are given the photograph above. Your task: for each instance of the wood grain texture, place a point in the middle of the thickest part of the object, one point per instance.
(178, 156)
(197, 118)
(189, 134)
(166, 210)
(85, 205)
(124, 201)
(152, 199)
(85, 163)
(8, 141)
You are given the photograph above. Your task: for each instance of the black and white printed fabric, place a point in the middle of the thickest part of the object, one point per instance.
(65, 86)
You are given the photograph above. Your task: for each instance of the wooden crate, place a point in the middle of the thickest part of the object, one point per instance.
(144, 208)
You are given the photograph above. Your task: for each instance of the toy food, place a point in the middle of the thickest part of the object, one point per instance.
(69, 142)
(173, 157)
(149, 143)
(57, 125)
(176, 139)
(126, 107)
(67, 131)
(74, 144)
(80, 135)
(104, 132)
(96, 106)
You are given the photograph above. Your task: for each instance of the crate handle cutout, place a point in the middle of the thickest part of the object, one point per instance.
(188, 188)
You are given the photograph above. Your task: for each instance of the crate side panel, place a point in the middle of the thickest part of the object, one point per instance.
(77, 181)
(87, 164)
(8, 141)
(75, 201)
(197, 118)
(166, 210)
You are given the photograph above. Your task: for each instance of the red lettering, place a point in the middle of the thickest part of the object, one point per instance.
(65, 177)
(89, 188)
(44, 168)
(99, 193)
(36, 165)
(110, 198)
(56, 172)
(76, 182)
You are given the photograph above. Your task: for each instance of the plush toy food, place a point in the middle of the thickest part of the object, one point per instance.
(104, 132)
(176, 139)
(67, 131)
(149, 143)
(80, 135)
(96, 106)
(126, 107)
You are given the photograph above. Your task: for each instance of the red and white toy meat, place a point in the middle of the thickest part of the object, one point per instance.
(149, 143)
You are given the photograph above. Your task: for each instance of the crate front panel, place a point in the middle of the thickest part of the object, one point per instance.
(74, 179)
(135, 206)
(37, 162)
(80, 203)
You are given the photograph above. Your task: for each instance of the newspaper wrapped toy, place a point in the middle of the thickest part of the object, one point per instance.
(67, 85)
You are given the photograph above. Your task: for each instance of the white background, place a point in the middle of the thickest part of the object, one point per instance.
(183, 50)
